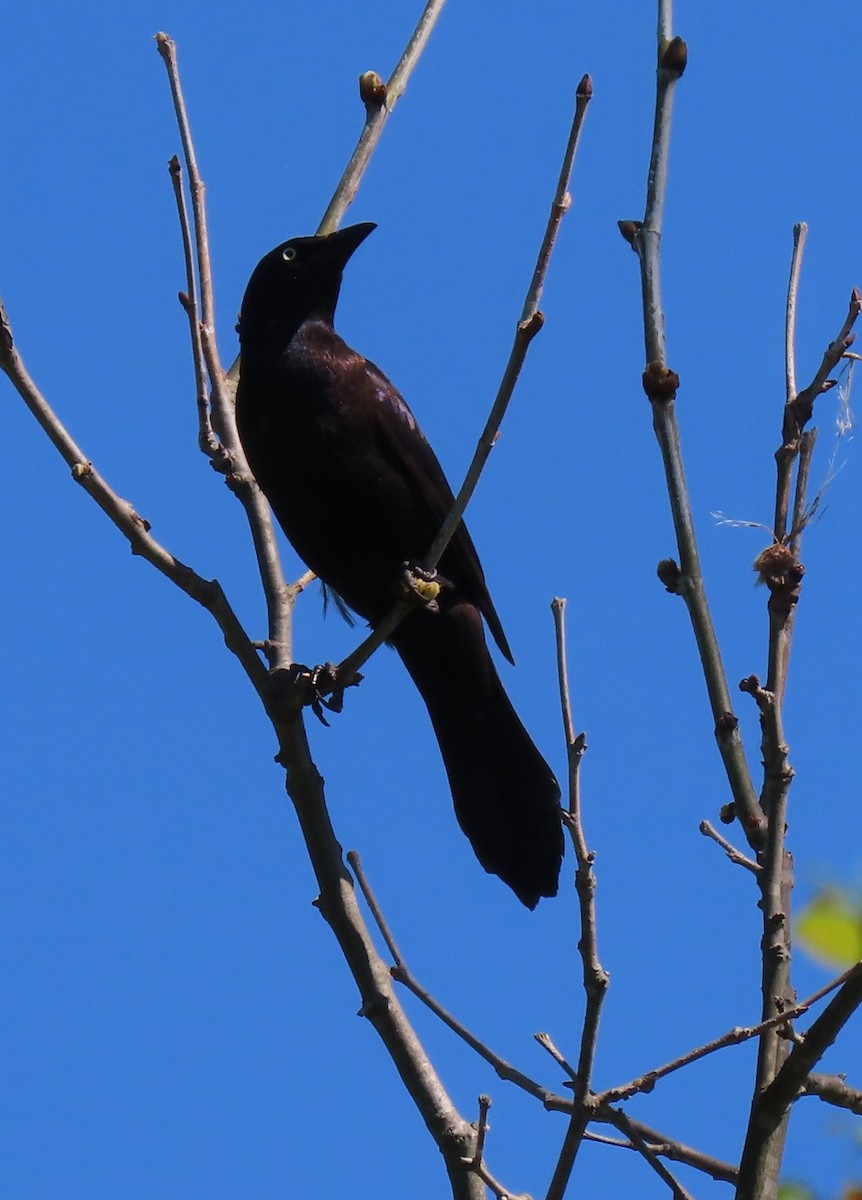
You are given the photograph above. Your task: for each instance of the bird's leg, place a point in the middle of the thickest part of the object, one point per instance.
(298, 686)
(420, 584)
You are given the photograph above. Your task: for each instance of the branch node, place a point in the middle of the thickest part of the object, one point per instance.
(372, 91)
(669, 574)
(531, 326)
(630, 230)
(660, 383)
(726, 725)
(674, 58)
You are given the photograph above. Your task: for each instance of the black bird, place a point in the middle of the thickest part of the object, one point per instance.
(359, 493)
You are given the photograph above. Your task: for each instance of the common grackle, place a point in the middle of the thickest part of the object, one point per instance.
(359, 493)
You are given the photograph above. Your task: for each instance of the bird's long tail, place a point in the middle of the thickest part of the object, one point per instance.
(506, 796)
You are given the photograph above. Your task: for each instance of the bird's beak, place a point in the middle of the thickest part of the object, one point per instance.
(339, 246)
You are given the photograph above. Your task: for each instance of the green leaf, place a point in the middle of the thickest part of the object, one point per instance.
(830, 929)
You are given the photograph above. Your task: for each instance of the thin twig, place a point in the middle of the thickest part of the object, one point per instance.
(168, 51)
(801, 512)
(733, 1037)
(547, 1043)
(380, 99)
(378, 108)
(676, 1151)
(208, 443)
(661, 384)
(279, 610)
(476, 1162)
(401, 973)
(376, 911)
(528, 326)
(800, 233)
(504, 1069)
(660, 1143)
(595, 977)
(481, 1128)
(622, 1122)
(207, 592)
(735, 856)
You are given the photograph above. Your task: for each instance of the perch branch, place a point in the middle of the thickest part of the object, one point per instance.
(337, 902)
(528, 326)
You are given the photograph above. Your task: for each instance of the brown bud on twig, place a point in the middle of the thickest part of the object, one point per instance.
(532, 325)
(585, 88)
(372, 90)
(674, 57)
(669, 573)
(629, 230)
(660, 382)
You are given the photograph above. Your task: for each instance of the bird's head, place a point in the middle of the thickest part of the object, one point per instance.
(297, 280)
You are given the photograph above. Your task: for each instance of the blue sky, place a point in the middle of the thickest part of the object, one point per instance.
(176, 1020)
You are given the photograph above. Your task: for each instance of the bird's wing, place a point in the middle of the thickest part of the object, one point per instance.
(406, 449)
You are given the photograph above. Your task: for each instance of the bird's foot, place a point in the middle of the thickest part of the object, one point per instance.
(423, 585)
(317, 688)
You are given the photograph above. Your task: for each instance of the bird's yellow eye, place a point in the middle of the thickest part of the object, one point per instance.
(288, 254)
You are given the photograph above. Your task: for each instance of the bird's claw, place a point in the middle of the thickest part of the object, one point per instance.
(319, 688)
(421, 584)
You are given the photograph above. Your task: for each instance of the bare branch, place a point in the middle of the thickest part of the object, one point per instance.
(832, 1089)
(528, 326)
(402, 974)
(207, 592)
(801, 408)
(338, 905)
(661, 384)
(733, 1037)
(800, 233)
(735, 856)
(801, 512)
(208, 443)
(337, 901)
(595, 977)
(622, 1122)
(376, 911)
(547, 1043)
(380, 99)
(676, 1151)
(769, 1110)
(221, 401)
(476, 1161)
